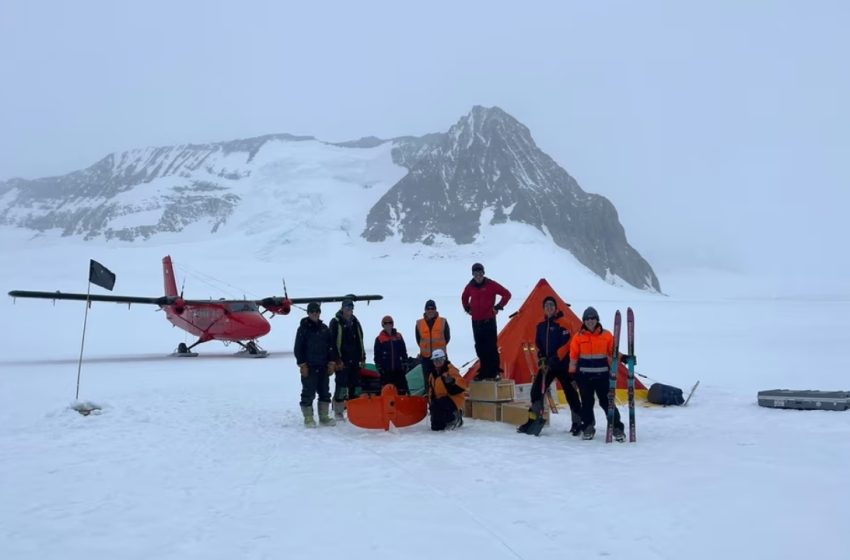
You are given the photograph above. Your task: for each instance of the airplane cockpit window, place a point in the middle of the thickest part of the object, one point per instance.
(243, 306)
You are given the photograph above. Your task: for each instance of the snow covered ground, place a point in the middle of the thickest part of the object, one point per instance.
(207, 457)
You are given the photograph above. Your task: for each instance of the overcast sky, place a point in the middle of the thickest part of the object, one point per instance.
(718, 129)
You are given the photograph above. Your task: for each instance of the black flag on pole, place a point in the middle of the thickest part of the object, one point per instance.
(100, 275)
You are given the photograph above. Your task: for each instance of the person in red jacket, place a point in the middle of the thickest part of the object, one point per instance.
(479, 300)
(591, 352)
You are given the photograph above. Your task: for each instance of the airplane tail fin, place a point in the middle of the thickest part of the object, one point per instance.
(168, 277)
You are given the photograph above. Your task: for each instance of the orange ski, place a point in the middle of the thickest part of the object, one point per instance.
(378, 411)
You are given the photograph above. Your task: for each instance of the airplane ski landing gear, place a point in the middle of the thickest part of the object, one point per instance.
(184, 351)
(252, 350)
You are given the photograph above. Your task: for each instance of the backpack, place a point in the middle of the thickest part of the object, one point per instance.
(665, 394)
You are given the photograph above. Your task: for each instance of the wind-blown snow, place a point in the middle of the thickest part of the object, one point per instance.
(207, 457)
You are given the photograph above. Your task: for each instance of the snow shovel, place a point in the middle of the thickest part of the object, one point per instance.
(376, 412)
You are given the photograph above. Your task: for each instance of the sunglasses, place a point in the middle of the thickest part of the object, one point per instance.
(592, 319)
(387, 323)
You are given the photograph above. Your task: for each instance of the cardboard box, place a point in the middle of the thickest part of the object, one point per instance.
(522, 392)
(467, 408)
(516, 413)
(490, 411)
(492, 391)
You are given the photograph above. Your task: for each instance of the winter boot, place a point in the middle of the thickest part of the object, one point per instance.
(309, 421)
(576, 427)
(620, 433)
(456, 421)
(324, 417)
(536, 419)
(339, 411)
(588, 432)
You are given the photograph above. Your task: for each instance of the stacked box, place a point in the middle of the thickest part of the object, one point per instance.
(483, 410)
(516, 413)
(492, 391)
(522, 392)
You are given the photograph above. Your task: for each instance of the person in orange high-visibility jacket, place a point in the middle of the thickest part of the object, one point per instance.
(590, 361)
(432, 332)
(445, 394)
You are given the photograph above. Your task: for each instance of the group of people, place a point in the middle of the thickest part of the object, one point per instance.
(580, 363)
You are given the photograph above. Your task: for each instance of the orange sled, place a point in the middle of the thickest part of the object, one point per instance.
(378, 411)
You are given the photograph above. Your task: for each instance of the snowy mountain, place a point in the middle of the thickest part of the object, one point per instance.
(448, 187)
(487, 170)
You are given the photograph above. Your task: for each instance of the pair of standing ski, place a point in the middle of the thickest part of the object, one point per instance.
(592, 364)
(612, 388)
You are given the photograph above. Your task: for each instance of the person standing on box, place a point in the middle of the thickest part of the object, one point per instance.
(479, 300)
(432, 333)
(553, 354)
(445, 394)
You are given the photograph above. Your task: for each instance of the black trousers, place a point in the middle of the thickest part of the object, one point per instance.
(427, 366)
(397, 378)
(316, 382)
(590, 384)
(569, 391)
(486, 347)
(347, 382)
(442, 413)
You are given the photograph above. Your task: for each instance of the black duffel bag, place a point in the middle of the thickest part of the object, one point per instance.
(665, 394)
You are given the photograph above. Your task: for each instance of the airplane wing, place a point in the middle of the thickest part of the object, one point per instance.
(281, 305)
(162, 300)
(328, 299)
(277, 305)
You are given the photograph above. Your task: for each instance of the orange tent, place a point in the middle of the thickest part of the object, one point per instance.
(519, 353)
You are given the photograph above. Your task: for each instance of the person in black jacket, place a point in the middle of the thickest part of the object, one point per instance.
(347, 336)
(316, 358)
(391, 356)
(553, 345)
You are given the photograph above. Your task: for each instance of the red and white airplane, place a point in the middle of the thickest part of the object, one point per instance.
(239, 321)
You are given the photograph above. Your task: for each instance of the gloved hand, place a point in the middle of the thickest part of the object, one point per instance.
(305, 369)
(331, 368)
(624, 358)
(448, 379)
(497, 308)
(467, 309)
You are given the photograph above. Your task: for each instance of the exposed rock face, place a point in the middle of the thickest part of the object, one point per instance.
(489, 162)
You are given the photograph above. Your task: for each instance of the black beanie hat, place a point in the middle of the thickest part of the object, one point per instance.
(550, 298)
(477, 266)
(313, 306)
(430, 305)
(589, 313)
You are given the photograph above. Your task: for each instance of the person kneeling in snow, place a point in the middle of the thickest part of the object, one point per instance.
(445, 394)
